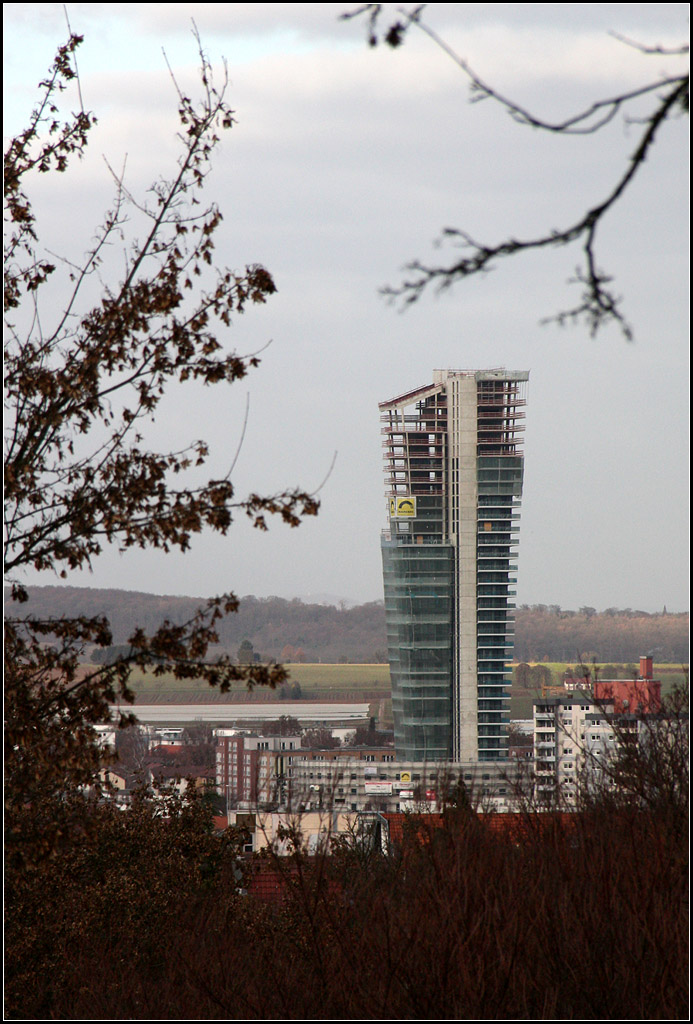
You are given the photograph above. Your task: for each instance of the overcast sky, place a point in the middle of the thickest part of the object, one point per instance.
(346, 162)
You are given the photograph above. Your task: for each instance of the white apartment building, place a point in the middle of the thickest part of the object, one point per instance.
(574, 741)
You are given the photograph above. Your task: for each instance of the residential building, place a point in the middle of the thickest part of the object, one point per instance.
(163, 778)
(119, 783)
(578, 733)
(252, 771)
(575, 741)
(283, 830)
(453, 472)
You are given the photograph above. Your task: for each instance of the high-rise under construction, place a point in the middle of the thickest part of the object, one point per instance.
(453, 469)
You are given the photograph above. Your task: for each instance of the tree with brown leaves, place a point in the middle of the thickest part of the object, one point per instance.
(79, 385)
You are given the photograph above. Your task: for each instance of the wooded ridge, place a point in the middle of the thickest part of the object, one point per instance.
(293, 630)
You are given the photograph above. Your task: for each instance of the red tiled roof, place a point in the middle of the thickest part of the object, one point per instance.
(267, 884)
(515, 826)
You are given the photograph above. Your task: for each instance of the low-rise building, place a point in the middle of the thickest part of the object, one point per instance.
(282, 831)
(641, 695)
(273, 773)
(349, 784)
(164, 778)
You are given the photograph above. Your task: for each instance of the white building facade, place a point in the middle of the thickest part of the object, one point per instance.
(575, 742)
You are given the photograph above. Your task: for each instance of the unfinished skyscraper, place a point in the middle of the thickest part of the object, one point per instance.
(453, 471)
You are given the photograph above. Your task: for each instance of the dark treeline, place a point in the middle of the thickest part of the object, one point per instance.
(570, 917)
(330, 634)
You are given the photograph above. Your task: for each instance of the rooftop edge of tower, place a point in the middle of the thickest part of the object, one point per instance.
(441, 377)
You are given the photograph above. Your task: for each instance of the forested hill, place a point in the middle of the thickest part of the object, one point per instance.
(317, 632)
(615, 635)
(292, 630)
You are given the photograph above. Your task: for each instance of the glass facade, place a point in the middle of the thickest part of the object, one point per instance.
(418, 608)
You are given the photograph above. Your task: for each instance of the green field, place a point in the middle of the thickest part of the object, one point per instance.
(348, 683)
(317, 682)
(322, 680)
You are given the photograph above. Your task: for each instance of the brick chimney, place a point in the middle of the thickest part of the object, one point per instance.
(646, 667)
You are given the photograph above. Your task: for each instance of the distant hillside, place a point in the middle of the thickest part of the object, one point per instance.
(318, 632)
(615, 635)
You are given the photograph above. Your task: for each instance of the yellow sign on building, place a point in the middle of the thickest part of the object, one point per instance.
(403, 508)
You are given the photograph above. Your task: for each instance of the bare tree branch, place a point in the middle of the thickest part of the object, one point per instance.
(599, 305)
